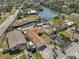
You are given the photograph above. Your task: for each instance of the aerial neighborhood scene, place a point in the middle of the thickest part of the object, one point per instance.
(39, 29)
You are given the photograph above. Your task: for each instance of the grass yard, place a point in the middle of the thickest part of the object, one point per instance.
(32, 17)
(13, 10)
(37, 55)
(3, 18)
(65, 38)
(3, 42)
(23, 56)
(46, 38)
(57, 21)
(64, 33)
(5, 56)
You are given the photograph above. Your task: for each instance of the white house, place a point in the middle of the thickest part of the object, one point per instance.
(68, 23)
(32, 12)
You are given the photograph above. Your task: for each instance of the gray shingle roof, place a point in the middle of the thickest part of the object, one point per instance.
(15, 38)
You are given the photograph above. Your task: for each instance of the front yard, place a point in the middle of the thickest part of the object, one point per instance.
(37, 55)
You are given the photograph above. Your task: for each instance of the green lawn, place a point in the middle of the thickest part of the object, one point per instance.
(37, 55)
(46, 38)
(5, 56)
(3, 42)
(31, 17)
(23, 56)
(3, 18)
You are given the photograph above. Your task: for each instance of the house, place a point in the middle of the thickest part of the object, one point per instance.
(16, 40)
(32, 34)
(75, 16)
(32, 12)
(46, 28)
(64, 8)
(68, 23)
(21, 22)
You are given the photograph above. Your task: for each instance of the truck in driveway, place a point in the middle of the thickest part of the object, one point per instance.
(31, 47)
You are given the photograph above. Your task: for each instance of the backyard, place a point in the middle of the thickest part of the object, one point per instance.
(46, 38)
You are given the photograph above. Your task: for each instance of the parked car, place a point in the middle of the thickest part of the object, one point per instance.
(32, 47)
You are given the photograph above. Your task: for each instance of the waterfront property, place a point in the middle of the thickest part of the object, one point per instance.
(16, 40)
(35, 38)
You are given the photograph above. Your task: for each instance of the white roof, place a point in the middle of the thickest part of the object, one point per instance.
(32, 11)
(31, 43)
(69, 22)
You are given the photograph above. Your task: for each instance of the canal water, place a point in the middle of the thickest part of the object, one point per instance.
(47, 13)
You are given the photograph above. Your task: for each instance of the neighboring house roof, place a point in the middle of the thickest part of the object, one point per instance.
(75, 14)
(69, 23)
(34, 37)
(15, 38)
(32, 11)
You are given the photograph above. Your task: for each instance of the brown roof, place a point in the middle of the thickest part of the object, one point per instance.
(34, 37)
(15, 38)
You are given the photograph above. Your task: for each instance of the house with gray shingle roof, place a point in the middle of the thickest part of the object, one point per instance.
(15, 40)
